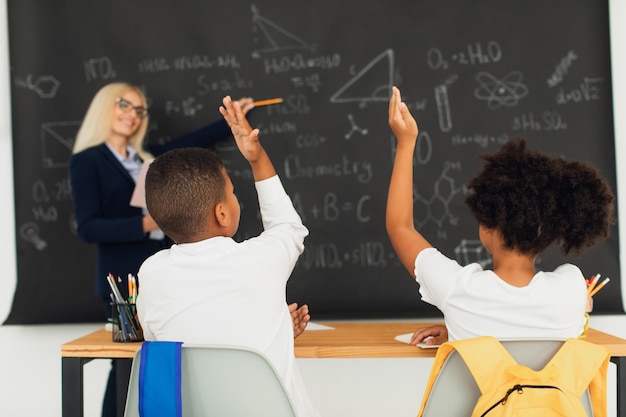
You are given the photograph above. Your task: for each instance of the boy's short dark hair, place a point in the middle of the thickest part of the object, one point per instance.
(182, 188)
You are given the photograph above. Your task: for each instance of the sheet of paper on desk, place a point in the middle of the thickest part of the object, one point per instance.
(406, 338)
(316, 326)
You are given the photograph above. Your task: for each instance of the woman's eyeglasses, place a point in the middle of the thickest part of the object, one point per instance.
(127, 106)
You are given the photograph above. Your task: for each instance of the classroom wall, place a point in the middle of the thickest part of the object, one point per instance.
(617, 12)
(7, 225)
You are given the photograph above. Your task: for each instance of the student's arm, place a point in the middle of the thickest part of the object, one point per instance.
(247, 140)
(203, 137)
(405, 239)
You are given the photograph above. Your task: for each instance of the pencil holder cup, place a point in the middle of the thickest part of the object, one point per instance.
(126, 327)
(588, 309)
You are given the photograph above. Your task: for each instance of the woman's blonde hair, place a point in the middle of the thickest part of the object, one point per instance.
(97, 125)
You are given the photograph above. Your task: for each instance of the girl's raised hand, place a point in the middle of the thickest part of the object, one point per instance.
(401, 121)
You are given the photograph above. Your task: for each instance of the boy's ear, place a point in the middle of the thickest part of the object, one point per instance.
(222, 216)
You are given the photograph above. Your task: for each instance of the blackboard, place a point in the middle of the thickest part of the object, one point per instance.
(473, 73)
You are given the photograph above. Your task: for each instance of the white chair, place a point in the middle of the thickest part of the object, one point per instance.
(222, 381)
(454, 392)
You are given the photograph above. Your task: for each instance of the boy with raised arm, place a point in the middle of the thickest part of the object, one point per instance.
(207, 288)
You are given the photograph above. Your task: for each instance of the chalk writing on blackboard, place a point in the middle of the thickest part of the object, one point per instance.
(546, 121)
(359, 87)
(188, 106)
(46, 86)
(344, 166)
(481, 139)
(474, 54)
(30, 233)
(443, 108)
(435, 207)
(274, 36)
(354, 128)
(587, 90)
(331, 208)
(500, 92)
(471, 250)
(423, 148)
(99, 69)
(374, 254)
(562, 69)
(57, 140)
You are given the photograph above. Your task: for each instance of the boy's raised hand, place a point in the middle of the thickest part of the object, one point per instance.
(247, 140)
(401, 121)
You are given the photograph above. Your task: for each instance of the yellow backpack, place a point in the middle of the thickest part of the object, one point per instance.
(510, 389)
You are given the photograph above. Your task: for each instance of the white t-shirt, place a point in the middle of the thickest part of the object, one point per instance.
(218, 291)
(478, 303)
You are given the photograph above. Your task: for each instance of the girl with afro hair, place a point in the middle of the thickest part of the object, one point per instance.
(524, 202)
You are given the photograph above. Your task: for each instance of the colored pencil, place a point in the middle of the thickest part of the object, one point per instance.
(267, 102)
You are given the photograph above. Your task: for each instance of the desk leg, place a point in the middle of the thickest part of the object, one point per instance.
(620, 363)
(72, 386)
(122, 376)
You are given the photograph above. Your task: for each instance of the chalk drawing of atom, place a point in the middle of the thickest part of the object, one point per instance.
(499, 93)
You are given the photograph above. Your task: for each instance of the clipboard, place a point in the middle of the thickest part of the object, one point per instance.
(138, 199)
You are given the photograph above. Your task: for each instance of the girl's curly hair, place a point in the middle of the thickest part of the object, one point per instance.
(536, 200)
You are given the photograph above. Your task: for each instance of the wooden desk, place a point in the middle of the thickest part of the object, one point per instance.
(347, 340)
(377, 340)
(77, 353)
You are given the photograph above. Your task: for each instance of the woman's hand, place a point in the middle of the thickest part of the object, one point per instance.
(149, 224)
(246, 104)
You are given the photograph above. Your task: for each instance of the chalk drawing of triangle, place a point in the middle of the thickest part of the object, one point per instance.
(372, 83)
(273, 37)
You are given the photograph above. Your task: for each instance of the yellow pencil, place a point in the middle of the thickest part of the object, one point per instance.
(592, 284)
(267, 102)
(599, 287)
(129, 281)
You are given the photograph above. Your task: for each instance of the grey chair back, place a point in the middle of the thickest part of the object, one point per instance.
(222, 381)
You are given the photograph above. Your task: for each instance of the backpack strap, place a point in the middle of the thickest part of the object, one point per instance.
(160, 392)
(588, 358)
(467, 346)
(485, 357)
(592, 362)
